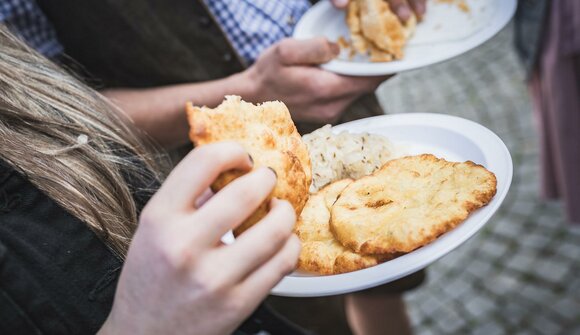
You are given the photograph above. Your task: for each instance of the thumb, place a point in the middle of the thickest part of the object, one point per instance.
(313, 51)
(339, 3)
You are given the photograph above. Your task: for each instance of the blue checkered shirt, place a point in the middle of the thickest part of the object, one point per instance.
(253, 25)
(25, 19)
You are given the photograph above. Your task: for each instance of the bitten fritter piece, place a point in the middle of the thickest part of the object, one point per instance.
(321, 252)
(376, 30)
(408, 203)
(359, 42)
(382, 27)
(269, 135)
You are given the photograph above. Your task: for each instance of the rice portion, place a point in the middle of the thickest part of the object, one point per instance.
(345, 155)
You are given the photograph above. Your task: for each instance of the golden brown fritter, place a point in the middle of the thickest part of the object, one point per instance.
(268, 134)
(359, 42)
(408, 203)
(376, 30)
(321, 252)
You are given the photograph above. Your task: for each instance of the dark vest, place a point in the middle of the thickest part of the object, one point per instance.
(136, 43)
(128, 43)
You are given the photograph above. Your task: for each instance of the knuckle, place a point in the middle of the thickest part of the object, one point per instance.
(295, 243)
(208, 284)
(324, 90)
(287, 264)
(319, 40)
(330, 114)
(235, 305)
(287, 210)
(217, 154)
(284, 49)
(207, 153)
(325, 50)
(180, 259)
(150, 215)
(280, 234)
(317, 86)
(248, 197)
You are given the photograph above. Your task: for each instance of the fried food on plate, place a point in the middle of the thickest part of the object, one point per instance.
(321, 252)
(268, 134)
(359, 42)
(375, 29)
(336, 156)
(408, 203)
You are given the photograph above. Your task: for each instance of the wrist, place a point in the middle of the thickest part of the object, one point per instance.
(106, 328)
(246, 85)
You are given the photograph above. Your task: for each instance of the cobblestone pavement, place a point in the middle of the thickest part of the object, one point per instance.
(521, 274)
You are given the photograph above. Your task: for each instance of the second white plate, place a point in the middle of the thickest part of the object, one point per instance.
(450, 137)
(445, 32)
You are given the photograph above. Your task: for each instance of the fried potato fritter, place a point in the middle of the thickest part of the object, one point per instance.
(321, 252)
(269, 135)
(359, 42)
(375, 29)
(408, 203)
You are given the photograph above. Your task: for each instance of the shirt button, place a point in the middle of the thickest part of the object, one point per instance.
(227, 57)
(290, 20)
(204, 21)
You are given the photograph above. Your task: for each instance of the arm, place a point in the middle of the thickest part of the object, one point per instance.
(287, 71)
(160, 111)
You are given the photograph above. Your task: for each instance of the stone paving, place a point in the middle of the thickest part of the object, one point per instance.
(521, 274)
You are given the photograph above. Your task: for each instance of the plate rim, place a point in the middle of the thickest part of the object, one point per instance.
(297, 286)
(387, 68)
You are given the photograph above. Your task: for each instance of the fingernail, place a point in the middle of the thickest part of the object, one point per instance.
(334, 48)
(419, 10)
(251, 159)
(340, 3)
(403, 13)
(273, 171)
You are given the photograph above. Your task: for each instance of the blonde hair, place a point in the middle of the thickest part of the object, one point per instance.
(71, 143)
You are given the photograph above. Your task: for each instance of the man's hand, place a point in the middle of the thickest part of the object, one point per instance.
(403, 8)
(287, 71)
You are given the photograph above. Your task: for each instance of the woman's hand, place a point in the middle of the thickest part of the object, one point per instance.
(403, 8)
(178, 276)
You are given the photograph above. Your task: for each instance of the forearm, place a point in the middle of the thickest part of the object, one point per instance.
(160, 111)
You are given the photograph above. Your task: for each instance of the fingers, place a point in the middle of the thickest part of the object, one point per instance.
(419, 7)
(204, 197)
(340, 3)
(261, 281)
(401, 8)
(261, 242)
(364, 84)
(328, 93)
(233, 204)
(329, 85)
(196, 172)
(313, 51)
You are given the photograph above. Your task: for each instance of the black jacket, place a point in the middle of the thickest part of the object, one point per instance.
(57, 276)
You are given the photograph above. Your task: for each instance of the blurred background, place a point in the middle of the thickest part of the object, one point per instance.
(521, 274)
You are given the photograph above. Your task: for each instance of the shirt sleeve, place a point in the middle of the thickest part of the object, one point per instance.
(26, 20)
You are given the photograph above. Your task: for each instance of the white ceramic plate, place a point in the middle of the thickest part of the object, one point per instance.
(446, 136)
(445, 32)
